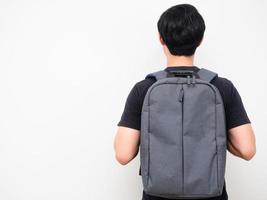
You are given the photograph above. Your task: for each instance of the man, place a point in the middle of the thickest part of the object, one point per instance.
(181, 29)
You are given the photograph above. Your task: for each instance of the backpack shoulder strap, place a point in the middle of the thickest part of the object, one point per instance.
(206, 75)
(157, 75)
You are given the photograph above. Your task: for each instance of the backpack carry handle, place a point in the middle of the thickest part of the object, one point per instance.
(203, 74)
(183, 73)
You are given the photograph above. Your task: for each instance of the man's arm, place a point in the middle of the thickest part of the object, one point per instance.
(126, 144)
(127, 139)
(242, 142)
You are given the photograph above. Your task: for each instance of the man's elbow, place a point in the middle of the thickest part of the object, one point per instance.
(123, 159)
(249, 153)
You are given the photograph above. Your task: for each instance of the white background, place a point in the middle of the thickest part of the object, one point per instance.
(66, 68)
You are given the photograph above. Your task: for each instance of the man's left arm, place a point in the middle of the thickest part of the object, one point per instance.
(127, 139)
(126, 144)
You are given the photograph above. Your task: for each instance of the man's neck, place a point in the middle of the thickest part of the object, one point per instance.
(186, 61)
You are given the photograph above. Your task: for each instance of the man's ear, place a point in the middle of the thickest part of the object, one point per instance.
(160, 39)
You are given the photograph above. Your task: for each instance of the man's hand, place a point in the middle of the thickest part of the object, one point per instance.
(126, 144)
(241, 141)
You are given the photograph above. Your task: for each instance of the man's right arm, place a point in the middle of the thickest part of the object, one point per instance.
(241, 138)
(242, 142)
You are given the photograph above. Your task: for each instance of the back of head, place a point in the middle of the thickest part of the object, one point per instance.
(181, 28)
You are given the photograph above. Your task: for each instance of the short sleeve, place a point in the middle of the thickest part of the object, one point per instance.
(131, 116)
(235, 112)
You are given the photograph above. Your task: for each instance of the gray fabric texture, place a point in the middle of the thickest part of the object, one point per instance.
(183, 138)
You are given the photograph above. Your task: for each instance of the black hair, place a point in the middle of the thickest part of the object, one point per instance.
(181, 28)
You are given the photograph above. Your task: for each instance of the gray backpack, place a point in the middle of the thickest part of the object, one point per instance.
(183, 136)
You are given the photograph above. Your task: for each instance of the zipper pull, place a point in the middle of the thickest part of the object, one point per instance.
(181, 95)
(188, 80)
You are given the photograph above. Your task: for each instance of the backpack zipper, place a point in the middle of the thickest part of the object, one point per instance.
(181, 100)
(181, 94)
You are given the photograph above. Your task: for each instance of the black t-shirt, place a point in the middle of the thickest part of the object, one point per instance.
(235, 112)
